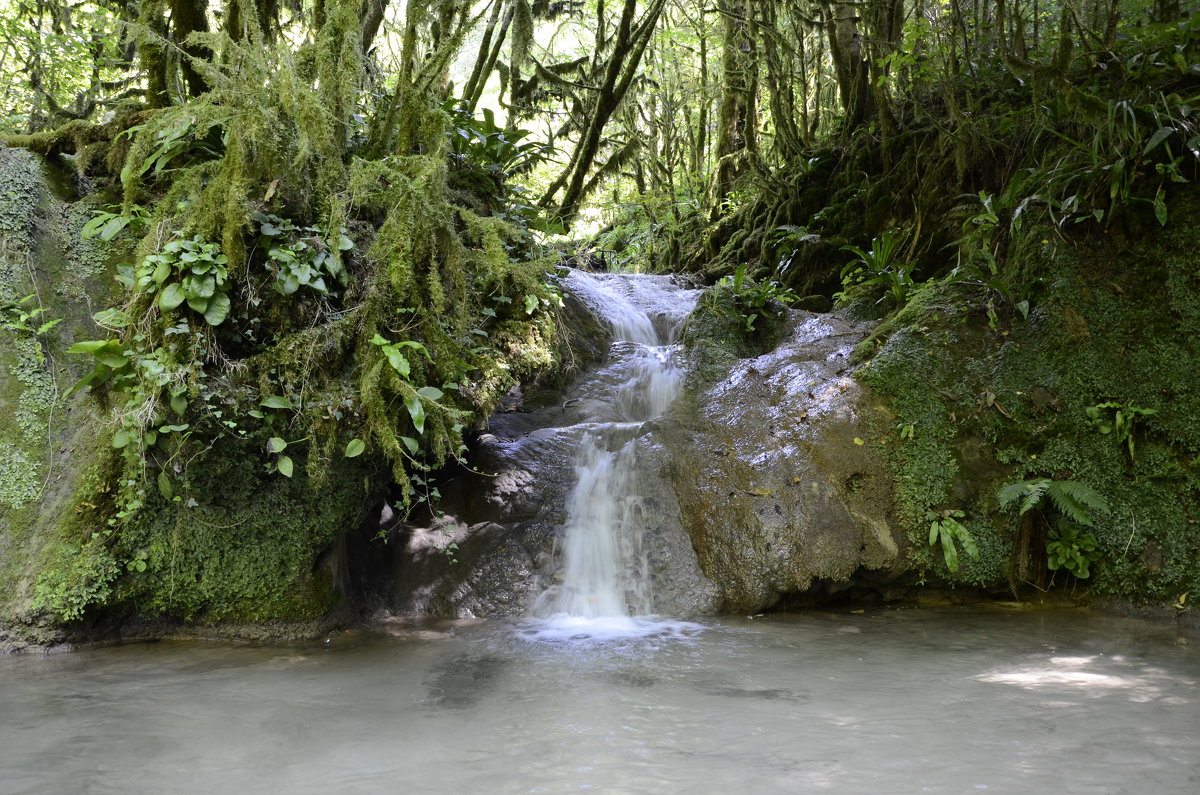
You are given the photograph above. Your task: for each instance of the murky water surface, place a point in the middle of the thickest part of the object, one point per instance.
(899, 701)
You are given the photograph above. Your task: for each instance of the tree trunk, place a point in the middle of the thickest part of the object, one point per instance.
(188, 17)
(851, 65)
(629, 44)
(152, 54)
(737, 120)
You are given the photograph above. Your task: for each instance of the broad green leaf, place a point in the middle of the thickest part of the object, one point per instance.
(276, 445)
(277, 402)
(161, 271)
(416, 411)
(531, 304)
(197, 303)
(355, 448)
(113, 227)
(218, 310)
(430, 392)
(171, 296)
(164, 486)
(413, 446)
(179, 403)
(950, 554)
(397, 360)
(122, 437)
(112, 318)
(285, 466)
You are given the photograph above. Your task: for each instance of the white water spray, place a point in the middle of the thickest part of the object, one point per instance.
(605, 588)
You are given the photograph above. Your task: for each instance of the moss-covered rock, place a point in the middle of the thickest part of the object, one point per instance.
(982, 401)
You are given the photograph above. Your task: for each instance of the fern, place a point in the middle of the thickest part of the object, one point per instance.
(1026, 492)
(1074, 500)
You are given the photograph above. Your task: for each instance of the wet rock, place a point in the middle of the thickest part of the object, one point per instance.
(779, 483)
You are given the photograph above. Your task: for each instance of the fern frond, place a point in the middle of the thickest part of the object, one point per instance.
(1033, 496)
(1076, 501)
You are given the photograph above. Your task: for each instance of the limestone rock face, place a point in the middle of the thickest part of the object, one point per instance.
(777, 482)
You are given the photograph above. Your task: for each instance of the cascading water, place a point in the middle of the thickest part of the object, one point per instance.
(604, 591)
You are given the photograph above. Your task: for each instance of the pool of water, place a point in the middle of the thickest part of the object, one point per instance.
(894, 701)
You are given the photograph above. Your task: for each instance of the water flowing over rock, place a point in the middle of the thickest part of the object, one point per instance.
(749, 486)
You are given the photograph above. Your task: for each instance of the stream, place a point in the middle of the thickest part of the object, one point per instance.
(891, 701)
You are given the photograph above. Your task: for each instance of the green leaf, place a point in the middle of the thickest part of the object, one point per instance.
(416, 411)
(355, 448)
(218, 310)
(164, 486)
(284, 466)
(112, 318)
(162, 270)
(430, 392)
(277, 402)
(179, 403)
(397, 360)
(531, 304)
(1160, 208)
(1159, 136)
(122, 438)
(171, 297)
(276, 445)
(950, 553)
(413, 446)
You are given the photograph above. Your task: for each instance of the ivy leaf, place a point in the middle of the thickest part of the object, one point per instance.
(285, 466)
(355, 448)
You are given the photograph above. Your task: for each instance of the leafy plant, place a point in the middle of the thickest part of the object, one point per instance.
(879, 268)
(1068, 545)
(302, 256)
(1072, 548)
(946, 530)
(754, 298)
(1121, 423)
(16, 318)
(187, 270)
(1074, 500)
(106, 225)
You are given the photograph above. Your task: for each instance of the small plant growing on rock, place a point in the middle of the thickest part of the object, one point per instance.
(945, 529)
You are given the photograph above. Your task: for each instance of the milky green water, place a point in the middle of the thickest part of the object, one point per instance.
(899, 701)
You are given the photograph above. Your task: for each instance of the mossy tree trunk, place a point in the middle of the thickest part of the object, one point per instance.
(188, 17)
(737, 120)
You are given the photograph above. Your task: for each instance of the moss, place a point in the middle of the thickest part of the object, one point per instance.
(990, 403)
(240, 543)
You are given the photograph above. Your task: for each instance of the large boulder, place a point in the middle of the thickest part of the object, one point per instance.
(778, 484)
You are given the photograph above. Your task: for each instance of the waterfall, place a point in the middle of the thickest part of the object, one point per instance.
(605, 590)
